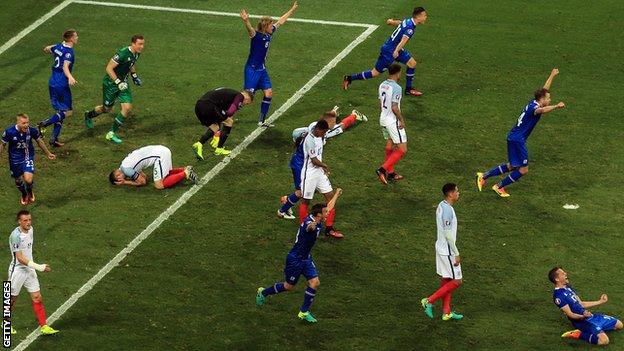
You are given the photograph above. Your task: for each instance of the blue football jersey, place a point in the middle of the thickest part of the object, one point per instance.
(405, 28)
(20, 144)
(298, 157)
(567, 296)
(258, 49)
(61, 53)
(526, 122)
(305, 240)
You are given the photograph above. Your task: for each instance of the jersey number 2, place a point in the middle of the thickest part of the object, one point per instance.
(383, 103)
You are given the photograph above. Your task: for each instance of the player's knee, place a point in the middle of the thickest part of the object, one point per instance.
(159, 185)
(374, 72)
(298, 193)
(603, 339)
(411, 63)
(314, 283)
(288, 287)
(458, 281)
(268, 93)
(619, 325)
(524, 170)
(69, 113)
(36, 297)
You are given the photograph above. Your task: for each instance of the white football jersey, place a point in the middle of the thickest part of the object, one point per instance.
(389, 92)
(446, 220)
(23, 242)
(142, 158)
(312, 148)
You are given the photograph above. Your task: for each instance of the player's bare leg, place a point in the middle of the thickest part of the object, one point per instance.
(347, 80)
(97, 110)
(264, 108)
(409, 73)
(329, 222)
(27, 178)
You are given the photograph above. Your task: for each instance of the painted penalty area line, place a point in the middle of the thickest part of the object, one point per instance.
(187, 195)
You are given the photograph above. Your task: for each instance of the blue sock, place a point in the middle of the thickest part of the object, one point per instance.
(590, 337)
(290, 202)
(362, 76)
(275, 289)
(498, 170)
(55, 118)
(409, 77)
(307, 299)
(511, 178)
(56, 131)
(264, 108)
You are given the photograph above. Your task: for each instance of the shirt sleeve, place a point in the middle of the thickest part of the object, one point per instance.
(34, 133)
(408, 33)
(5, 138)
(16, 242)
(337, 130)
(310, 147)
(447, 218)
(130, 172)
(69, 56)
(397, 91)
(560, 300)
(235, 105)
(118, 57)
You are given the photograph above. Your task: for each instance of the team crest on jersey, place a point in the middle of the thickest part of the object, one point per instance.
(447, 223)
(557, 301)
(68, 55)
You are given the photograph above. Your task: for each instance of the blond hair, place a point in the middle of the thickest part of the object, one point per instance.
(264, 22)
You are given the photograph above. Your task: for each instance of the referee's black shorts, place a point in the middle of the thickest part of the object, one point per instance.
(208, 113)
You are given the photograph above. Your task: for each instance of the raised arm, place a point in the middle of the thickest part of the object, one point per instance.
(332, 203)
(288, 13)
(552, 76)
(589, 304)
(245, 17)
(48, 49)
(393, 22)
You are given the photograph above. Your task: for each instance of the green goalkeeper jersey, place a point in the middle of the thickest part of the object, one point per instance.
(125, 60)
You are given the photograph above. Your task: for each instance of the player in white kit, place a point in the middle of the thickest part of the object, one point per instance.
(130, 172)
(22, 270)
(314, 175)
(392, 124)
(447, 255)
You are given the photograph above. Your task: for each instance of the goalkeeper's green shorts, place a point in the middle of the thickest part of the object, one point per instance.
(110, 93)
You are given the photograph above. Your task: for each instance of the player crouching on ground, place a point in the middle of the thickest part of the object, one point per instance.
(590, 327)
(130, 172)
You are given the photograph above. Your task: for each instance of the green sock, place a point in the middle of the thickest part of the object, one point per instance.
(118, 122)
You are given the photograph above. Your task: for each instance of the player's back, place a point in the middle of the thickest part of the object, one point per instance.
(526, 122)
(258, 49)
(61, 53)
(445, 220)
(144, 157)
(389, 92)
(305, 240)
(220, 97)
(405, 28)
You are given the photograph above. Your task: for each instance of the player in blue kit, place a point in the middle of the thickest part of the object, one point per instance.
(299, 260)
(18, 138)
(517, 153)
(394, 50)
(59, 84)
(590, 327)
(256, 75)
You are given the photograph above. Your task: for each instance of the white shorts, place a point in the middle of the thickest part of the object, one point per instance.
(314, 180)
(446, 268)
(163, 165)
(23, 276)
(393, 132)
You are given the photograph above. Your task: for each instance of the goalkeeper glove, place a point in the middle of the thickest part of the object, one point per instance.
(135, 78)
(121, 85)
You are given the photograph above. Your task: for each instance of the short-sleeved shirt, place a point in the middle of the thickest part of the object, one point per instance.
(389, 92)
(20, 241)
(125, 59)
(526, 122)
(61, 54)
(405, 29)
(567, 297)
(305, 240)
(445, 220)
(20, 144)
(142, 158)
(312, 148)
(259, 48)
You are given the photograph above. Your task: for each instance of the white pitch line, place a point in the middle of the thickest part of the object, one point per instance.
(216, 13)
(187, 195)
(34, 25)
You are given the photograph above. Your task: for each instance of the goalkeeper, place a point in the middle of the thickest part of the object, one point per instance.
(115, 86)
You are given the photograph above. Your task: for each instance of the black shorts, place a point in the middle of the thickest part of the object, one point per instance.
(208, 113)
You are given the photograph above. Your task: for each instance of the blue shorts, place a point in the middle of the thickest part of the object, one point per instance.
(296, 266)
(385, 59)
(596, 324)
(256, 79)
(61, 98)
(17, 169)
(517, 153)
(296, 172)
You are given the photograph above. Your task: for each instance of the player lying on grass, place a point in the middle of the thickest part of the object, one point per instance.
(590, 327)
(115, 86)
(59, 84)
(130, 172)
(215, 110)
(517, 153)
(256, 76)
(22, 270)
(394, 50)
(19, 139)
(299, 260)
(298, 158)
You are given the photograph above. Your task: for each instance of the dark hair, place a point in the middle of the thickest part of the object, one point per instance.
(68, 34)
(111, 178)
(417, 11)
(552, 274)
(322, 124)
(540, 93)
(448, 188)
(22, 213)
(317, 208)
(137, 37)
(394, 68)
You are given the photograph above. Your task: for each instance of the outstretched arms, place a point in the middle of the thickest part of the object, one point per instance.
(245, 17)
(550, 79)
(288, 13)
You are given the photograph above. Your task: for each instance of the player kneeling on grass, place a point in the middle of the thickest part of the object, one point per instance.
(299, 260)
(22, 271)
(298, 158)
(590, 327)
(130, 172)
